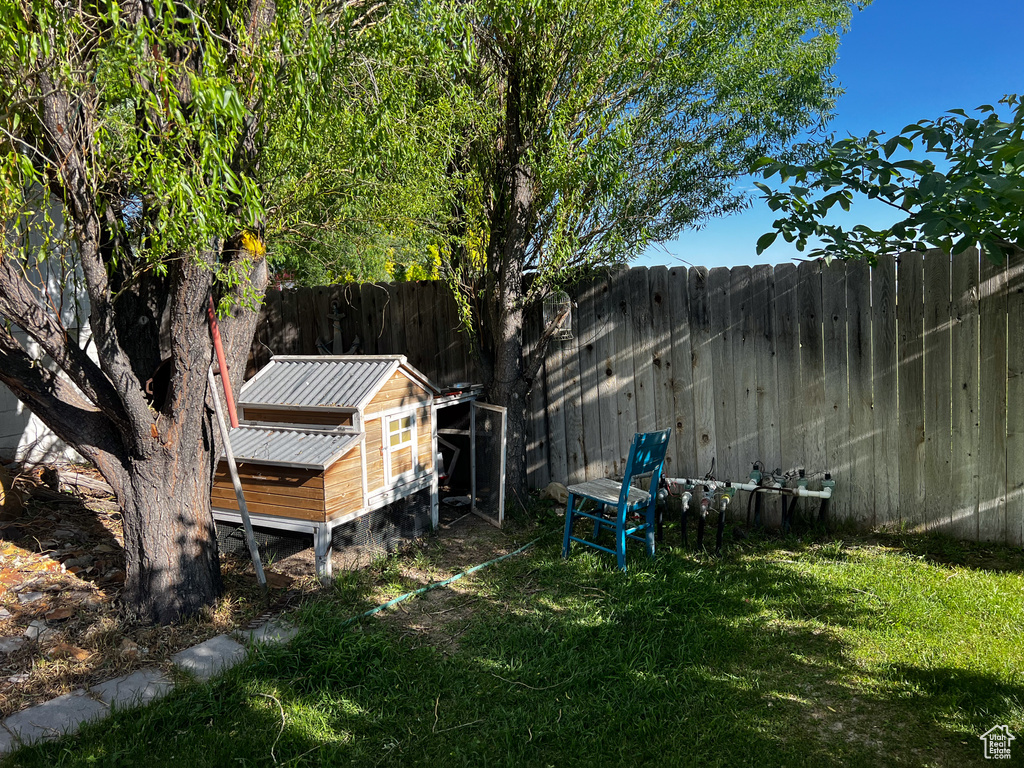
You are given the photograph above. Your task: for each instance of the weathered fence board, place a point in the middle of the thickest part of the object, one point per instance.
(992, 382)
(290, 322)
(787, 337)
(963, 471)
(1015, 407)
(884, 397)
(741, 346)
(556, 398)
(837, 384)
(719, 285)
(910, 321)
(858, 479)
(812, 373)
(575, 453)
(624, 380)
(937, 391)
(591, 372)
(684, 418)
(643, 350)
(703, 368)
(769, 452)
(537, 469)
(910, 391)
(612, 432)
(662, 366)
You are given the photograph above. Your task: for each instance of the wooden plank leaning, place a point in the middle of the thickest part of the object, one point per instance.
(229, 456)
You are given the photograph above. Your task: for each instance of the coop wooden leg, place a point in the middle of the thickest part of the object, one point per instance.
(322, 552)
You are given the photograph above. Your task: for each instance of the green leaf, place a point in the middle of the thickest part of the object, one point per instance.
(765, 241)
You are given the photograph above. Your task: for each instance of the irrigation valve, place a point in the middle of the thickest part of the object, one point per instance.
(707, 500)
(726, 496)
(755, 476)
(685, 498)
(828, 483)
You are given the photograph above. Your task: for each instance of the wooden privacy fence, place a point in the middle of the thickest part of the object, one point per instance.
(903, 380)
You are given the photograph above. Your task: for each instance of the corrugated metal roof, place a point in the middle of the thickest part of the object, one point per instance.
(312, 382)
(313, 449)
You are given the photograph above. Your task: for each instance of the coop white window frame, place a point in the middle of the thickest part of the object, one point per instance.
(386, 423)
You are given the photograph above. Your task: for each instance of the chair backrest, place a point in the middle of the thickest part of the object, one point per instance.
(646, 455)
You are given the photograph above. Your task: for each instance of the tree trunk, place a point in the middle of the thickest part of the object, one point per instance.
(511, 221)
(169, 536)
(509, 389)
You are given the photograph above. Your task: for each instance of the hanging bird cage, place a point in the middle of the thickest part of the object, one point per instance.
(559, 305)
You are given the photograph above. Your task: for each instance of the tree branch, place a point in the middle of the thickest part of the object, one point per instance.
(19, 303)
(57, 402)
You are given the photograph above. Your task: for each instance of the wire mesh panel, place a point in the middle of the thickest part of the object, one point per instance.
(488, 452)
(388, 528)
(273, 544)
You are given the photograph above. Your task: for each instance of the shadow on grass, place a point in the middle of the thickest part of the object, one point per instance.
(686, 660)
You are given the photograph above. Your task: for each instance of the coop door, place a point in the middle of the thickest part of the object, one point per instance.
(487, 455)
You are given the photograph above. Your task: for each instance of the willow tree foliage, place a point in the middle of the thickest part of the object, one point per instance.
(973, 195)
(602, 126)
(137, 158)
(360, 193)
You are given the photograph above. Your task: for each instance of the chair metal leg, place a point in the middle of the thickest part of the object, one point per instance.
(620, 543)
(569, 506)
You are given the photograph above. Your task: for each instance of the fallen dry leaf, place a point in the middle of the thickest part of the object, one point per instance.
(67, 651)
(60, 613)
(278, 580)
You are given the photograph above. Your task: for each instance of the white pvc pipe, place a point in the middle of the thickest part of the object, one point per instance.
(824, 493)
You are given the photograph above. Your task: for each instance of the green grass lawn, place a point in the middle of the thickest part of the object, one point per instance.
(883, 651)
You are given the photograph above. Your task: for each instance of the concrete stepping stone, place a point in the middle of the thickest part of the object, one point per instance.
(207, 659)
(65, 714)
(133, 690)
(62, 715)
(271, 633)
(7, 741)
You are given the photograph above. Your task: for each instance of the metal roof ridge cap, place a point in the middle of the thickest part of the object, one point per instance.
(280, 427)
(339, 358)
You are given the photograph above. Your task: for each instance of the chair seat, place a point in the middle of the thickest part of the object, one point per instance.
(607, 491)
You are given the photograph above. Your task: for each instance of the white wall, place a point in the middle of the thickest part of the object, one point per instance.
(54, 271)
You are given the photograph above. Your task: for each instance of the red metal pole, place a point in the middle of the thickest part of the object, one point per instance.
(221, 363)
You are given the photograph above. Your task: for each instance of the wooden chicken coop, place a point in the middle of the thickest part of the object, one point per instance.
(325, 440)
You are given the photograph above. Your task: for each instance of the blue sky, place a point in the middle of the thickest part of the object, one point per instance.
(902, 61)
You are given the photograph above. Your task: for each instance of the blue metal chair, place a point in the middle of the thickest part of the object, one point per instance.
(646, 456)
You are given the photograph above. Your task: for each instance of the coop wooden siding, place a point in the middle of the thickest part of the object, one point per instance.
(343, 484)
(424, 441)
(296, 416)
(374, 457)
(398, 392)
(268, 490)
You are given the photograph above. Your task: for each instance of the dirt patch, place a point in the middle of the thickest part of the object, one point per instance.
(439, 617)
